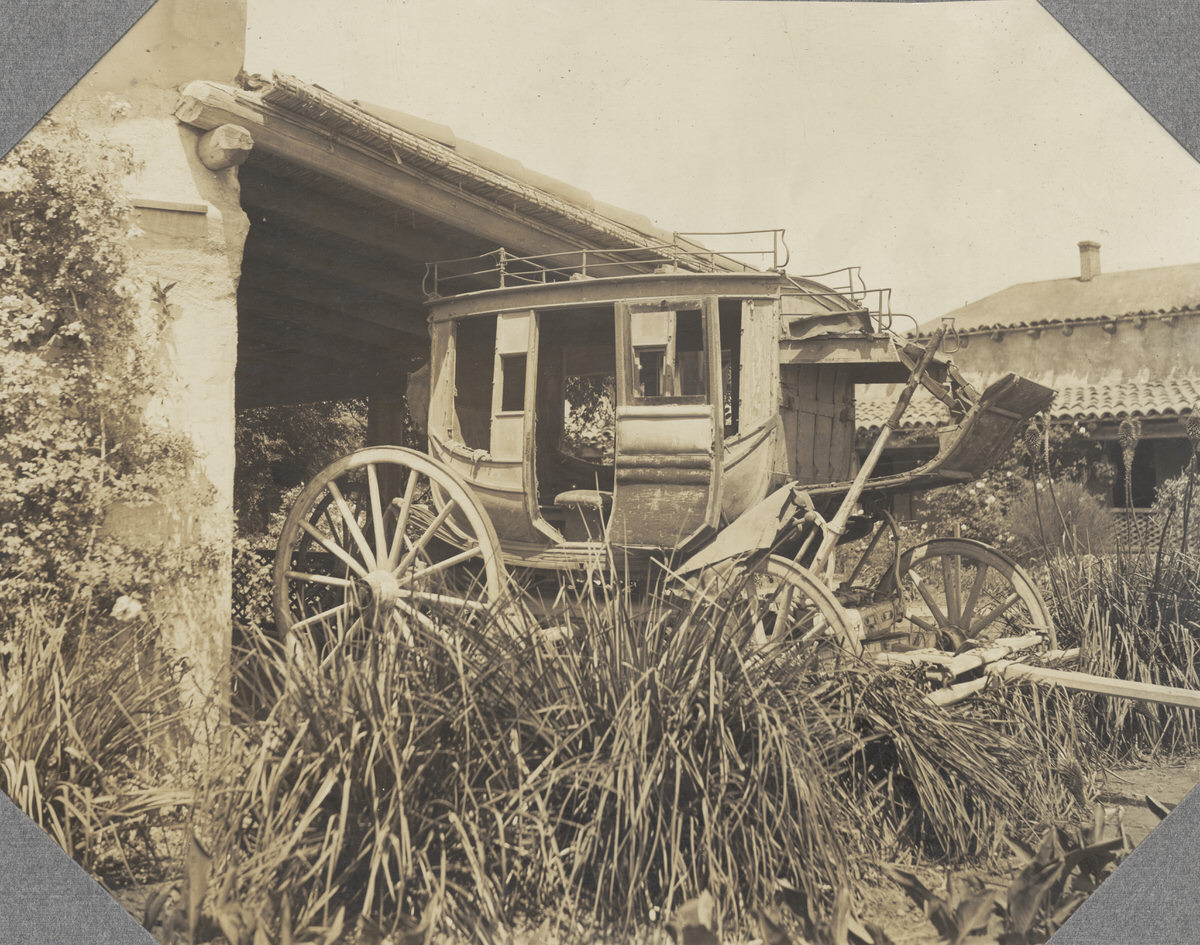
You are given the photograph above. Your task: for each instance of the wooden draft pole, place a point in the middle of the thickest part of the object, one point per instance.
(1069, 679)
(836, 527)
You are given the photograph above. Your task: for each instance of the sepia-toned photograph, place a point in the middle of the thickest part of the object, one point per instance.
(546, 473)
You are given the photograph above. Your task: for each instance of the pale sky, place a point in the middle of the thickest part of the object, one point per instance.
(949, 149)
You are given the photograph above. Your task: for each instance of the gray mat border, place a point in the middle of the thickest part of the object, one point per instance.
(1147, 45)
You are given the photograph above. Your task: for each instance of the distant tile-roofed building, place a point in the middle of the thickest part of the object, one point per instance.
(1114, 345)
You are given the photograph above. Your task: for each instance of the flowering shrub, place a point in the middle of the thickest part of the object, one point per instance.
(89, 698)
(78, 330)
(1000, 508)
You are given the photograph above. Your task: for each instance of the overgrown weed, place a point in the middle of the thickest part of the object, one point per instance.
(470, 773)
(88, 720)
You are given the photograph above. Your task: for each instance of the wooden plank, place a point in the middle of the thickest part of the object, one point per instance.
(512, 332)
(1084, 682)
(272, 197)
(806, 460)
(841, 444)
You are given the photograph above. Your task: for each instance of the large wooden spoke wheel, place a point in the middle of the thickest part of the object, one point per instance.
(383, 535)
(956, 590)
(789, 603)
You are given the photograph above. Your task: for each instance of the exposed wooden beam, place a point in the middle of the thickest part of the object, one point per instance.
(375, 325)
(224, 147)
(205, 105)
(296, 385)
(333, 267)
(291, 200)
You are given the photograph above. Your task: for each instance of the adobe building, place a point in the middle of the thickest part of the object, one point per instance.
(296, 227)
(1115, 345)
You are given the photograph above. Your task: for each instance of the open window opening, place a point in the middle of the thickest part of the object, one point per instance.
(668, 355)
(512, 382)
(730, 315)
(474, 374)
(576, 402)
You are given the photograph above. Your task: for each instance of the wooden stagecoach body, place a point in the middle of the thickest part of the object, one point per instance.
(729, 463)
(755, 388)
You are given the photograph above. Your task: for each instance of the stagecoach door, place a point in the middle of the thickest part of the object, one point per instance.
(668, 441)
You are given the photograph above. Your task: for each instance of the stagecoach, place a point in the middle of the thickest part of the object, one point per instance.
(600, 417)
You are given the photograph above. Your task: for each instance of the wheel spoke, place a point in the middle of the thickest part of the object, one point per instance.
(444, 564)
(341, 609)
(320, 579)
(994, 614)
(410, 488)
(423, 620)
(335, 550)
(930, 601)
(352, 525)
(426, 536)
(381, 548)
(950, 568)
(333, 529)
(446, 599)
(968, 610)
(922, 623)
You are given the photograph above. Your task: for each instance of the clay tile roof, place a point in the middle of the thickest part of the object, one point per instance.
(1168, 397)
(1134, 292)
(924, 411)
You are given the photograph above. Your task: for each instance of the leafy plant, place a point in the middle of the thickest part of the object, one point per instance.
(78, 330)
(1067, 867)
(1040, 895)
(965, 906)
(279, 448)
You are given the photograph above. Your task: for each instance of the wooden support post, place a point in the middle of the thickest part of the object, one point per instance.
(387, 411)
(224, 147)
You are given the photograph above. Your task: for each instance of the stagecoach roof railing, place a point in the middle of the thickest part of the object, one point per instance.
(877, 301)
(501, 269)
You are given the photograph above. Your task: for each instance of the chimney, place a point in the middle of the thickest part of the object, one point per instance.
(1089, 260)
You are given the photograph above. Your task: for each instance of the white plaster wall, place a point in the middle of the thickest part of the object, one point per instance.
(192, 231)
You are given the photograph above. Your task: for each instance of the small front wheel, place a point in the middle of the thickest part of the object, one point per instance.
(956, 590)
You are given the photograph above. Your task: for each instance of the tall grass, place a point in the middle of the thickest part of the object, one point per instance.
(86, 712)
(483, 771)
(469, 773)
(1135, 616)
(946, 783)
(1134, 611)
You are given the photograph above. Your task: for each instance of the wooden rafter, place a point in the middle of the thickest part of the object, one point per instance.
(205, 105)
(287, 251)
(273, 197)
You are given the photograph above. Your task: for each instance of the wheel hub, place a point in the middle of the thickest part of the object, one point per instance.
(379, 592)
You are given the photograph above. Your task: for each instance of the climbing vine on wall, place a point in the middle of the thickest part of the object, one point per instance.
(79, 332)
